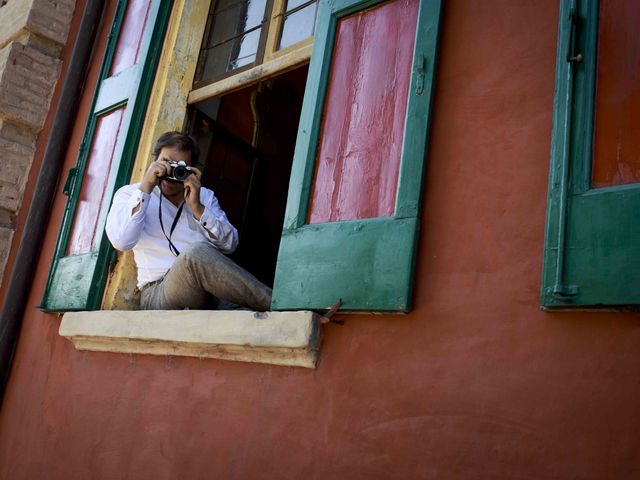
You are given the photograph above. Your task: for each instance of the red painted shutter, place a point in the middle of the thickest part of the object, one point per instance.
(352, 214)
(364, 114)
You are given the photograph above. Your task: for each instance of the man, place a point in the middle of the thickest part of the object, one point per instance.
(179, 235)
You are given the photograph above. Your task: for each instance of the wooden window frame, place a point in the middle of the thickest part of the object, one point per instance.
(272, 61)
(275, 33)
(260, 52)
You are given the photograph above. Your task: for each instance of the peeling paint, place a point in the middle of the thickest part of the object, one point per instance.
(363, 125)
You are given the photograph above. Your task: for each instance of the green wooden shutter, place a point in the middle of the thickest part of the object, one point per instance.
(592, 243)
(76, 281)
(366, 262)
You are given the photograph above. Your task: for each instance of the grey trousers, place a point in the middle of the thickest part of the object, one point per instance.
(203, 277)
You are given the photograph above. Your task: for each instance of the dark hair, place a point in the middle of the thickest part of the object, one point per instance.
(178, 140)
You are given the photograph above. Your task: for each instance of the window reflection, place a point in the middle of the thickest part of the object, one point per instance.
(299, 22)
(232, 38)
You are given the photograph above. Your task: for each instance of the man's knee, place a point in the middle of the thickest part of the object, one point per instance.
(201, 255)
(199, 251)
(190, 268)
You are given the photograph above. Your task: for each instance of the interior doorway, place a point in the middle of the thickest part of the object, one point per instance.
(247, 140)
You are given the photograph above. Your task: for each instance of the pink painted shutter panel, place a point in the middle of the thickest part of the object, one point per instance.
(363, 123)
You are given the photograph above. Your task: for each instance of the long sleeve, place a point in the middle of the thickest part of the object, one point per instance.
(124, 227)
(215, 221)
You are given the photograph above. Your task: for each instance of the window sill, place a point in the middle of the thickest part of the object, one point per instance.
(277, 338)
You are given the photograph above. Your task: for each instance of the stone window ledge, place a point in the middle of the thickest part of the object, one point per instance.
(278, 338)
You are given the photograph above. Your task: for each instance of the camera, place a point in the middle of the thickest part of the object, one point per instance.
(179, 171)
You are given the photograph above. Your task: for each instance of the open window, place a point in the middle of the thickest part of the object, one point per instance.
(247, 140)
(287, 148)
(592, 255)
(268, 157)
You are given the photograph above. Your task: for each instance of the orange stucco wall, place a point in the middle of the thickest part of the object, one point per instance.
(475, 383)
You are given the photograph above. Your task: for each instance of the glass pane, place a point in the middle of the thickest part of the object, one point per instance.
(362, 131)
(616, 150)
(230, 55)
(298, 26)
(130, 39)
(232, 38)
(95, 182)
(291, 4)
(231, 18)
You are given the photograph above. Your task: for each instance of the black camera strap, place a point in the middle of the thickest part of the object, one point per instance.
(172, 247)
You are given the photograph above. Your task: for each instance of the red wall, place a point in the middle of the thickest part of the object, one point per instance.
(475, 383)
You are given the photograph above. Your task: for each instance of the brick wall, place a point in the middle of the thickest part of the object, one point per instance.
(32, 34)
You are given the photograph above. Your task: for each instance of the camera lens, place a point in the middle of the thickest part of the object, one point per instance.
(181, 172)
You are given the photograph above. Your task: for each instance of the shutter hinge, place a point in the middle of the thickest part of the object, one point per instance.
(68, 184)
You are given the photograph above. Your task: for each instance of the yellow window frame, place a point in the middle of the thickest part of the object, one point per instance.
(274, 63)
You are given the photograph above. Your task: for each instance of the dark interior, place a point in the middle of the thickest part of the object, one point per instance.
(247, 139)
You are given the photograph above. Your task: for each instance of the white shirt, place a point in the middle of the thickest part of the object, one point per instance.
(141, 230)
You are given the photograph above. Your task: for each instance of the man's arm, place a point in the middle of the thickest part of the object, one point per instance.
(212, 220)
(125, 221)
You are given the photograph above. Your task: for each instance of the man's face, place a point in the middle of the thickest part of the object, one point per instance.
(172, 154)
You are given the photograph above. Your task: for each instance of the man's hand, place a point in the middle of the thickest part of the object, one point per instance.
(192, 193)
(155, 172)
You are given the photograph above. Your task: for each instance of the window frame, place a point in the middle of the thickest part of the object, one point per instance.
(260, 52)
(272, 61)
(275, 33)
